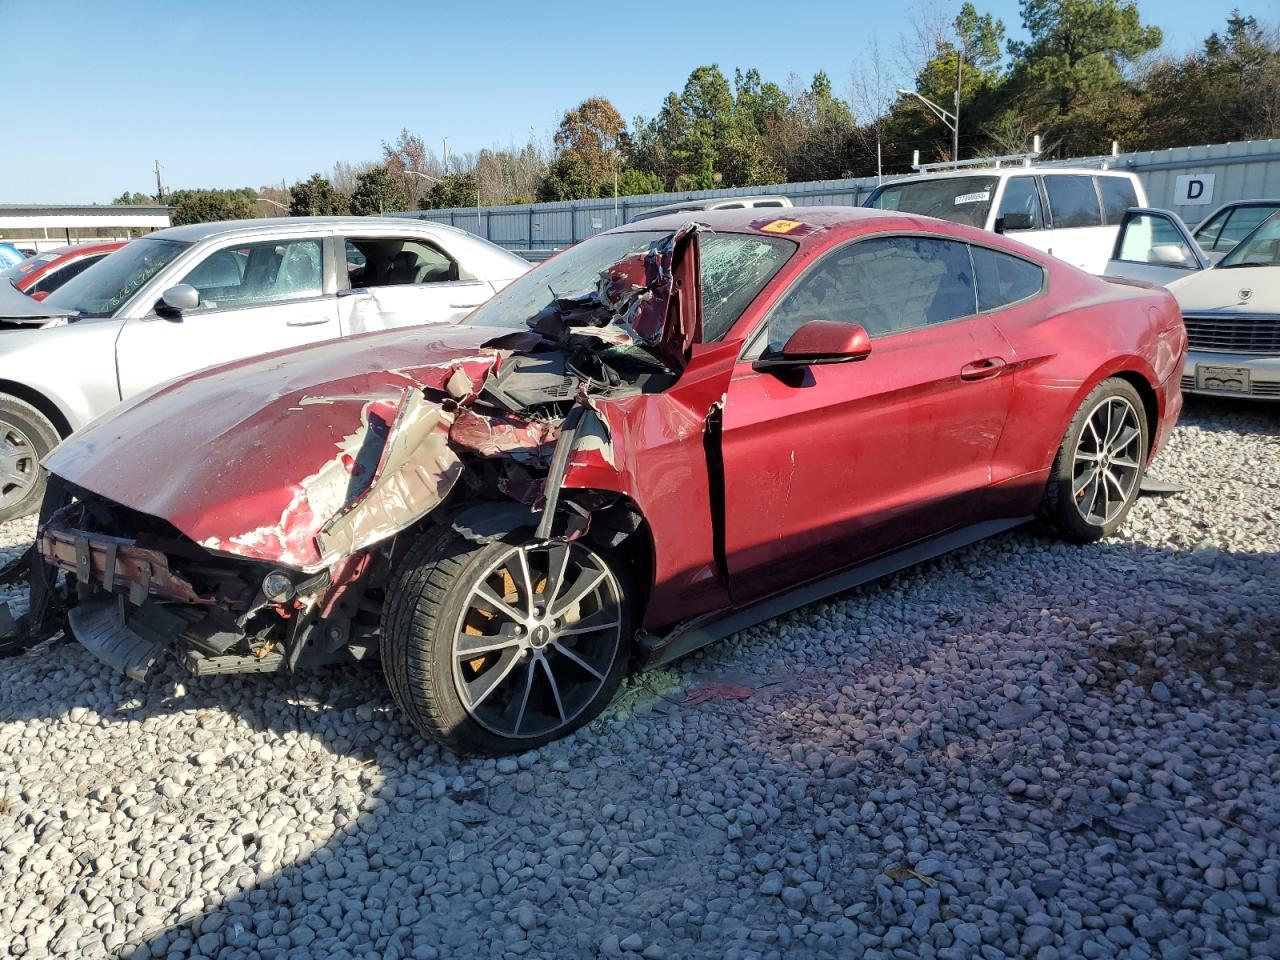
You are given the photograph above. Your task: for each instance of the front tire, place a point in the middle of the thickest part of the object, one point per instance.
(26, 436)
(505, 646)
(1098, 470)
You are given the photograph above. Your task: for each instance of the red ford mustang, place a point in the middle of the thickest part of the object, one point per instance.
(664, 434)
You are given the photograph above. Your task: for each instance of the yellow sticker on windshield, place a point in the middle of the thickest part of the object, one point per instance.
(780, 226)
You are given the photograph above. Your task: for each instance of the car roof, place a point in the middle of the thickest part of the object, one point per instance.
(698, 203)
(79, 249)
(1256, 202)
(192, 232)
(759, 220)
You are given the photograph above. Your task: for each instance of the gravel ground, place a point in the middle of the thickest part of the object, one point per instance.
(1024, 749)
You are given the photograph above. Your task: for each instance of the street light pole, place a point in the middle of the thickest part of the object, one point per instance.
(950, 120)
(955, 132)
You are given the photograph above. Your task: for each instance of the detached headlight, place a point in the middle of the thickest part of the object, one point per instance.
(277, 586)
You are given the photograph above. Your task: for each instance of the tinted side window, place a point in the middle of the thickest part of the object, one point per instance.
(1003, 279)
(1072, 201)
(1118, 196)
(886, 284)
(56, 279)
(1021, 196)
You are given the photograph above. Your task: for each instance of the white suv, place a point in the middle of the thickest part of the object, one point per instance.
(1070, 213)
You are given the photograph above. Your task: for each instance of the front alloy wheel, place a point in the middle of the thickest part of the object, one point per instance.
(503, 646)
(536, 639)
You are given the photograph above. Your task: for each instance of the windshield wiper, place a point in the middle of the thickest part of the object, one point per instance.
(1236, 266)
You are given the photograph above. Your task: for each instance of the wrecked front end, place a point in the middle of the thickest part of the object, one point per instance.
(132, 598)
(246, 520)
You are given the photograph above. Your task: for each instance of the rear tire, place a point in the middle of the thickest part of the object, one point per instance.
(1099, 467)
(535, 663)
(26, 437)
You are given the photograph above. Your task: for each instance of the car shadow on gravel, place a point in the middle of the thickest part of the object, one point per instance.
(603, 843)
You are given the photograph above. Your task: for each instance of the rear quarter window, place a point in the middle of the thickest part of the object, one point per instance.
(1003, 279)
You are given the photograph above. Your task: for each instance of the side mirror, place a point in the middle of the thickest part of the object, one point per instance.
(1013, 221)
(180, 297)
(1167, 254)
(819, 341)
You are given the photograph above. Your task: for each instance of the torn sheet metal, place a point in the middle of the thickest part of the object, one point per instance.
(593, 435)
(639, 300)
(290, 538)
(503, 435)
(416, 473)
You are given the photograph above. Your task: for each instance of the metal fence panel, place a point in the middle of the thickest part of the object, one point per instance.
(1240, 171)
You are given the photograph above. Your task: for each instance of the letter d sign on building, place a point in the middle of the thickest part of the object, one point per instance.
(1193, 190)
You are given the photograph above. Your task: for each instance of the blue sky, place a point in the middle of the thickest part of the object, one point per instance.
(234, 93)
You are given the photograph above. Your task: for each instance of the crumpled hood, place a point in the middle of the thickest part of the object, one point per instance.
(259, 457)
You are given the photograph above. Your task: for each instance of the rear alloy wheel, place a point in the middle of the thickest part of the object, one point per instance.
(26, 436)
(503, 646)
(1099, 467)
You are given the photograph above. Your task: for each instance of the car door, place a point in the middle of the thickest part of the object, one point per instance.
(842, 462)
(396, 281)
(256, 296)
(1154, 246)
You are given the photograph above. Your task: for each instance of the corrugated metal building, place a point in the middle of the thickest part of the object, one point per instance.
(1224, 171)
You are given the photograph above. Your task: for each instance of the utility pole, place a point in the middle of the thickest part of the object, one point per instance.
(159, 189)
(445, 140)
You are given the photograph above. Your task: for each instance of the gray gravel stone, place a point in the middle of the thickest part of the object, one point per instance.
(1075, 747)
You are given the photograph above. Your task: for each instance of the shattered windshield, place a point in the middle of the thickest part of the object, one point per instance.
(101, 289)
(735, 267)
(958, 199)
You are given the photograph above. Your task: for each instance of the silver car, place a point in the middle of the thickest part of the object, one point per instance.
(1231, 307)
(186, 298)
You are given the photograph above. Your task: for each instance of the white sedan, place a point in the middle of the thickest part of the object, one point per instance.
(190, 297)
(1231, 307)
